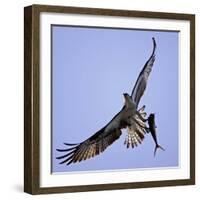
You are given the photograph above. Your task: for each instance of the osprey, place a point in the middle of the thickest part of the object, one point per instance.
(129, 117)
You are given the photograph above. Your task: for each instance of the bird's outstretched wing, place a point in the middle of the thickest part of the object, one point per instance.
(95, 144)
(142, 79)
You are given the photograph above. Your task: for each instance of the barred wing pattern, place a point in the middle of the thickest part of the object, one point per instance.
(142, 79)
(94, 145)
(137, 130)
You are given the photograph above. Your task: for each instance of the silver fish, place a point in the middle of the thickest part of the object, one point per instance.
(152, 129)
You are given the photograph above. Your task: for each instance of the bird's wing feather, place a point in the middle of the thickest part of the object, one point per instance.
(136, 130)
(95, 144)
(142, 79)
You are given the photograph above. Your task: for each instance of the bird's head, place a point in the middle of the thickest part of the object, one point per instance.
(128, 99)
(126, 96)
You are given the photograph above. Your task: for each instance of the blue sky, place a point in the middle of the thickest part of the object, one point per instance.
(92, 68)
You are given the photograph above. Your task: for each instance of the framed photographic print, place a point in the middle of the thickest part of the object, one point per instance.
(109, 99)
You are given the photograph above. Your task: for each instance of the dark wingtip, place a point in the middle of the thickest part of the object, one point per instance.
(70, 162)
(63, 150)
(154, 41)
(60, 150)
(154, 45)
(69, 144)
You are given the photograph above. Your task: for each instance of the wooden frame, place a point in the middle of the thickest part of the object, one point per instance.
(32, 96)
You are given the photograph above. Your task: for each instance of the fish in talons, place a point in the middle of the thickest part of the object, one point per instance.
(152, 129)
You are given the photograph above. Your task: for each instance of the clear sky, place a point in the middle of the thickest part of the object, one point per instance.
(91, 69)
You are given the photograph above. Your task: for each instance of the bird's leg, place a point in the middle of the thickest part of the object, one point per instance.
(140, 117)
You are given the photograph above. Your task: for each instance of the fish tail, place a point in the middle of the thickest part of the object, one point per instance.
(158, 147)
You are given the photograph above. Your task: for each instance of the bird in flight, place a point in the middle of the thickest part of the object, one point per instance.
(129, 117)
